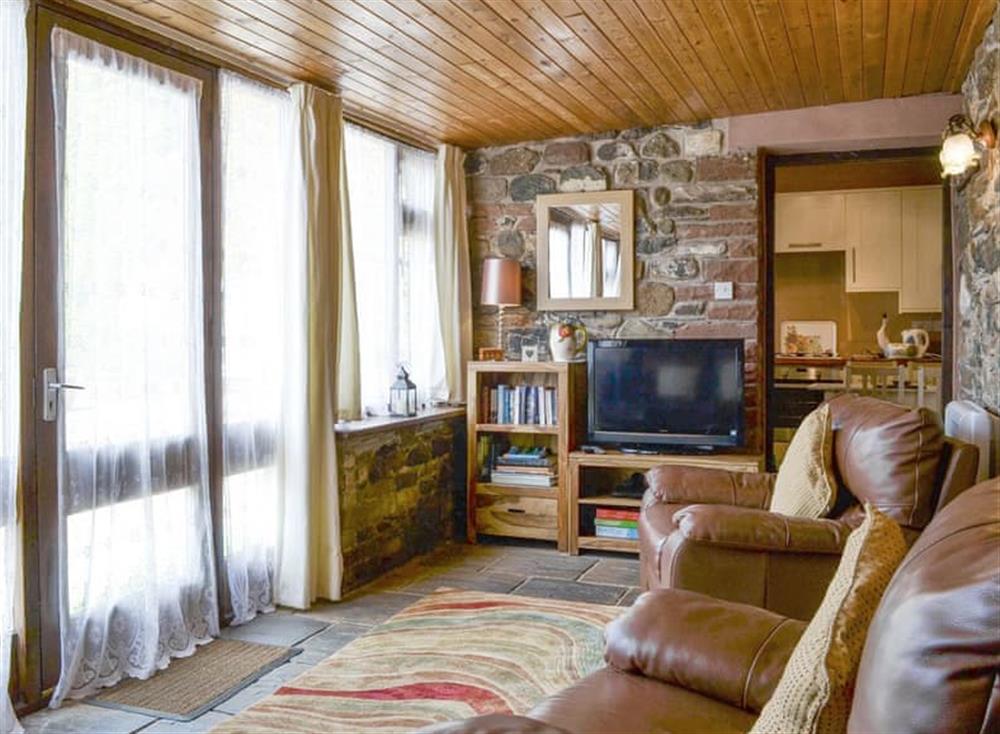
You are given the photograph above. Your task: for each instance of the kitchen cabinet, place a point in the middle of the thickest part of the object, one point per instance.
(920, 286)
(809, 222)
(874, 240)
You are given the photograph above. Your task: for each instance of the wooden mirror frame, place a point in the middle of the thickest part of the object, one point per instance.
(623, 302)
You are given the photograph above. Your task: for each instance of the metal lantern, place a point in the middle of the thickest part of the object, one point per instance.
(403, 395)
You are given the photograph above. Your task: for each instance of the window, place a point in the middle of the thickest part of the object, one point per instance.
(391, 190)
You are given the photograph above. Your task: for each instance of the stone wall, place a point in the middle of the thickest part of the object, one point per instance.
(398, 489)
(696, 223)
(976, 217)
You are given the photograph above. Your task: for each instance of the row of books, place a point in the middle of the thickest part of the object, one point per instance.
(525, 467)
(535, 405)
(615, 523)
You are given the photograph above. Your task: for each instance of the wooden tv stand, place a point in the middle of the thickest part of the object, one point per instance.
(582, 498)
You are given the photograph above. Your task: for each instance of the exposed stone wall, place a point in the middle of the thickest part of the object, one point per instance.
(976, 215)
(696, 223)
(397, 494)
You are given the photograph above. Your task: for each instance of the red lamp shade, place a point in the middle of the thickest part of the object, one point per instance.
(501, 282)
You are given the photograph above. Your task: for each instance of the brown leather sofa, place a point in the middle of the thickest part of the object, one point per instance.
(684, 662)
(709, 530)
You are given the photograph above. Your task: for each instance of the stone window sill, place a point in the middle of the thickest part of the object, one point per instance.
(367, 426)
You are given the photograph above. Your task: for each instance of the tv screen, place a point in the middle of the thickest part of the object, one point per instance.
(666, 392)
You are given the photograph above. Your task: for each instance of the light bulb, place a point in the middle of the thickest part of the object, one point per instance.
(958, 154)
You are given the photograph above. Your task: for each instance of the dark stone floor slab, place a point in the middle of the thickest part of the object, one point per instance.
(365, 608)
(613, 571)
(552, 566)
(500, 583)
(630, 596)
(274, 629)
(570, 591)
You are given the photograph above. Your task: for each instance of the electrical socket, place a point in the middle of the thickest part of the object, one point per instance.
(724, 291)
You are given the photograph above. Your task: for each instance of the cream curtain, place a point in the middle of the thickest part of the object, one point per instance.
(13, 104)
(452, 264)
(309, 562)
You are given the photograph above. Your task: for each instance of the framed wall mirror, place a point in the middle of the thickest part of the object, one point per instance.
(586, 251)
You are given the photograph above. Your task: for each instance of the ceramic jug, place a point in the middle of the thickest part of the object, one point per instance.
(567, 342)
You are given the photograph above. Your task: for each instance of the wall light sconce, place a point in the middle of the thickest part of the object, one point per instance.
(959, 140)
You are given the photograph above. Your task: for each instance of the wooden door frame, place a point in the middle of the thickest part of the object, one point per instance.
(767, 163)
(39, 651)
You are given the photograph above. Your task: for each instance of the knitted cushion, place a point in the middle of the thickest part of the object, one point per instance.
(805, 485)
(815, 691)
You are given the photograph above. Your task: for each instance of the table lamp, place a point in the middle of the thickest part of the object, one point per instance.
(501, 288)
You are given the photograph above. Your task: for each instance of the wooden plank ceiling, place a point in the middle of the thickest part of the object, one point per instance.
(478, 72)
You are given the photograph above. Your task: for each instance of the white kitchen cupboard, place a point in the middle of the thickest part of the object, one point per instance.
(873, 240)
(920, 286)
(809, 222)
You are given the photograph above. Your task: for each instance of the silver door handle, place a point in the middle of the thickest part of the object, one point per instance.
(50, 395)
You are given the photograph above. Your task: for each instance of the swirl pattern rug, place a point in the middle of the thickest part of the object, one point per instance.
(451, 655)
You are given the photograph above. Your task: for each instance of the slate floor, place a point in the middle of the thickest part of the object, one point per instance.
(501, 568)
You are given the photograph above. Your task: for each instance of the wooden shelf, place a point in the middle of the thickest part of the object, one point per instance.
(518, 428)
(544, 492)
(623, 545)
(610, 501)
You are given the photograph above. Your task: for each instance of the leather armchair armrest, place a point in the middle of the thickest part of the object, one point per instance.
(731, 652)
(760, 530)
(686, 485)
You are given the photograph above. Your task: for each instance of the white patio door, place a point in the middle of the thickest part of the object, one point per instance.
(126, 391)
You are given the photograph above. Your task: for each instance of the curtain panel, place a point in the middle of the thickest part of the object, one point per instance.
(137, 571)
(13, 109)
(454, 279)
(310, 563)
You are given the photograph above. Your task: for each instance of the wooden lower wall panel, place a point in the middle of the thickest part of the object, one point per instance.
(517, 517)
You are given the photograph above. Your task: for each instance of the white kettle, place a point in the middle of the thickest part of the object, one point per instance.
(917, 338)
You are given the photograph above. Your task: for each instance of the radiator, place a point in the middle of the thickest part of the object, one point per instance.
(973, 424)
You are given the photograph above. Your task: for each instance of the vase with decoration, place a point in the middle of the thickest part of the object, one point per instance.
(567, 342)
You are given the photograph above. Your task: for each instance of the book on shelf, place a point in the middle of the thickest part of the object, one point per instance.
(517, 405)
(608, 531)
(522, 480)
(608, 513)
(604, 522)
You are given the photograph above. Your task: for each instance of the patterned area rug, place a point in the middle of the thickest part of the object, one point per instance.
(451, 655)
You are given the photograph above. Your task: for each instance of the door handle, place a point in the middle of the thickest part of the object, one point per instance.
(50, 393)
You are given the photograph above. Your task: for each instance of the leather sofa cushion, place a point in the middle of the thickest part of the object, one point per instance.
(734, 653)
(689, 485)
(612, 702)
(760, 530)
(933, 651)
(888, 455)
(493, 724)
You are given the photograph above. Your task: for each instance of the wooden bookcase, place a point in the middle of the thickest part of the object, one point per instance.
(524, 512)
(585, 494)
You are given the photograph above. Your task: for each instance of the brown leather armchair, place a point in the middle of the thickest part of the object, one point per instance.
(709, 530)
(684, 662)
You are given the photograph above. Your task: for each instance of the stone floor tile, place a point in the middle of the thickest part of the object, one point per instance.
(499, 583)
(630, 596)
(274, 629)
(82, 718)
(247, 697)
(330, 640)
(367, 609)
(552, 565)
(570, 590)
(201, 725)
(613, 571)
(284, 673)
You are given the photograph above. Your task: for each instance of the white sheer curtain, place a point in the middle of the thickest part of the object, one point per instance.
(264, 333)
(13, 101)
(392, 230)
(136, 571)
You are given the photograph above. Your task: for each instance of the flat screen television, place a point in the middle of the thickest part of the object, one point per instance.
(665, 393)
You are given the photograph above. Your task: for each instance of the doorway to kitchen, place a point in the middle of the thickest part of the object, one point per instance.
(858, 284)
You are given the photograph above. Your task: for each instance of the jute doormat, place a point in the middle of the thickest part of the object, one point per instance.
(191, 686)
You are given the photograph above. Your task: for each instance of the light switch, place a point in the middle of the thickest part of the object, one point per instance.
(724, 291)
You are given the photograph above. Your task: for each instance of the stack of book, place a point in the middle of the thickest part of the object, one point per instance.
(614, 523)
(534, 467)
(520, 405)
